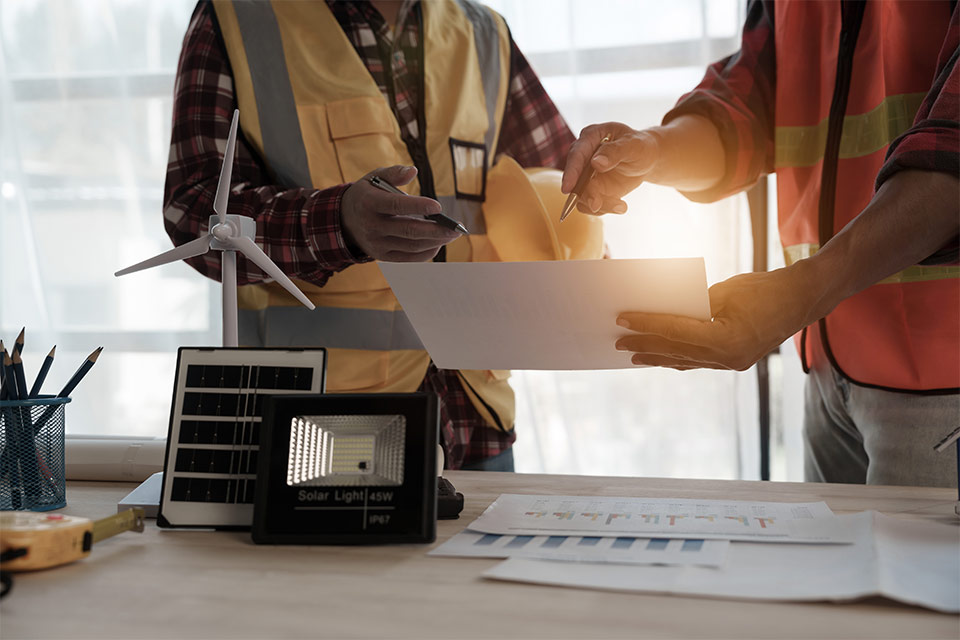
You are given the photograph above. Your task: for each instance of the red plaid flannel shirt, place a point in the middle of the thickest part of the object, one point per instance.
(737, 94)
(300, 228)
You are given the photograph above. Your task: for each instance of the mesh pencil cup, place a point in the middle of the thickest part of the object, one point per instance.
(32, 458)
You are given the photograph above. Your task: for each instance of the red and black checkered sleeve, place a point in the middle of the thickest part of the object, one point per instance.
(737, 95)
(298, 228)
(933, 142)
(533, 131)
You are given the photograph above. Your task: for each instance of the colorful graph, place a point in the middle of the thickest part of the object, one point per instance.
(647, 517)
(621, 549)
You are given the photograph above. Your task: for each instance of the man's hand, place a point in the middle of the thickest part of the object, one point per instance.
(388, 226)
(621, 164)
(752, 314)
(686, 154)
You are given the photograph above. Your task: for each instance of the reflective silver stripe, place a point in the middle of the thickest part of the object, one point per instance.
(469, 212)
(332, 327)
(487, 39)
(279, 124)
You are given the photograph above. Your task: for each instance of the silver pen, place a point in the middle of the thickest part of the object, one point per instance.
(439, 218)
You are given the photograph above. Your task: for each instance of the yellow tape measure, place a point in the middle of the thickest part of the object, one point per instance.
(52, 539)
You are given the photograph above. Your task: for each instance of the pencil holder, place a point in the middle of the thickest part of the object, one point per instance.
(32, 459)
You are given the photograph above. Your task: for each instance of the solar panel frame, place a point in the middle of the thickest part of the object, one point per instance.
(216, 411)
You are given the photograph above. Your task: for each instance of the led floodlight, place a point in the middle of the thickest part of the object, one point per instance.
(347, 469)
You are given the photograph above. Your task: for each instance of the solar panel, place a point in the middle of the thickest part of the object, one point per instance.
(213, 440)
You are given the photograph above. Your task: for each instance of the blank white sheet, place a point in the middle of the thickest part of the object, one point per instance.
(540, 315)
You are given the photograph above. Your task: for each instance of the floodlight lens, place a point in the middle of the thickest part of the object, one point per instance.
(346, 450)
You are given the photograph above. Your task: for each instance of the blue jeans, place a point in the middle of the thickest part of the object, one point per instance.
(503, 461)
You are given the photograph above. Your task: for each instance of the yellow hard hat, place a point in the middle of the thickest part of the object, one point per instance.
(522, 214)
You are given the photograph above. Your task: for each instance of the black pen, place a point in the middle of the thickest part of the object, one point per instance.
(439, 218)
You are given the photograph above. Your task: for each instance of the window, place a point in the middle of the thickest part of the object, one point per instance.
(87, 89)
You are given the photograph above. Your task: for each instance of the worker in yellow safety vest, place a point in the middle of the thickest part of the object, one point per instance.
(431, 97)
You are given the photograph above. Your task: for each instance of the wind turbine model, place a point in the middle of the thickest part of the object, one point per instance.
(228, 234)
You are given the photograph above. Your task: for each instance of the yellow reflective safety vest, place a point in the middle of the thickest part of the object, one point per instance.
(312, 111)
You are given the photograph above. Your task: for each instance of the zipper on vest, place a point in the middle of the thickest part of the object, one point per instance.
(851, 18)
(416, 147)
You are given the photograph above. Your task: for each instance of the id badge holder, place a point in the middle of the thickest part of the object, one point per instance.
(469, 169)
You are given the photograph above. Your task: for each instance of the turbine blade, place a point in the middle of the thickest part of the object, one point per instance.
(193, 248)
(226, 171)
(248, 247)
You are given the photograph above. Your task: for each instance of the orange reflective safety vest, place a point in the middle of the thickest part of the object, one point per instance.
(314, 114)
(837, 110)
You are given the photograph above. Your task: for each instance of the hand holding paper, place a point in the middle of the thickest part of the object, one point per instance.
(752, 314)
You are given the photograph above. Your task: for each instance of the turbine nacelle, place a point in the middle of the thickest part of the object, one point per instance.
(232, 227)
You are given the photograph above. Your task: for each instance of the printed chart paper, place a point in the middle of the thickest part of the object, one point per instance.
(913, 561)
(661, 517)
(707, 553)
(540, 315)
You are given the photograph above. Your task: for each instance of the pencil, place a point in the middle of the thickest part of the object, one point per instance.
(42, 375)
(17, 362)
(18, 345)
(11, 383)
(82, 371)
(3, 373)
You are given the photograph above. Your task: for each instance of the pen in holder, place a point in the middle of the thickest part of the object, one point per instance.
(32, 458)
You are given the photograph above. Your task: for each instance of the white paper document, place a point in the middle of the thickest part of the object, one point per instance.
(540, 315)
(912, 561)
(624, 550)
(515, 514)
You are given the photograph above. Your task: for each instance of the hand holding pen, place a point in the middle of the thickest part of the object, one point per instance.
(391, 226)
(607, 162)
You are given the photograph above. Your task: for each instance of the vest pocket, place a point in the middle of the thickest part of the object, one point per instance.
(469, 169)
(365, 135)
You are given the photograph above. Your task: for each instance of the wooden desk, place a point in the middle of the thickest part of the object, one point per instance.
(192, 584)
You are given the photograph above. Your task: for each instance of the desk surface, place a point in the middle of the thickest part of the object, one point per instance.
(189, 584)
